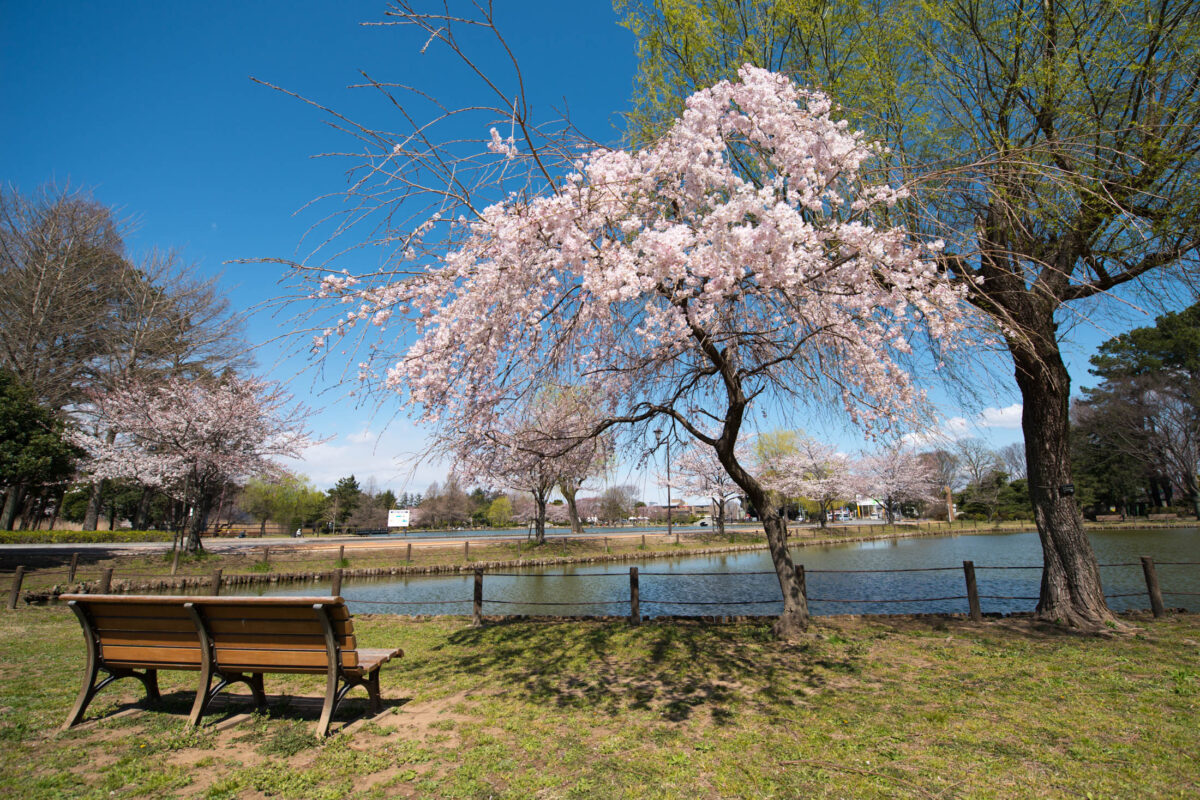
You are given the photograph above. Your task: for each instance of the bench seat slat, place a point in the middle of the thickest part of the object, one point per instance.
(370, 658)
(276, 659)
(221, 627)
(253, 640)
(271, 614)
(104, 623)
(143, 654)
(107, 608)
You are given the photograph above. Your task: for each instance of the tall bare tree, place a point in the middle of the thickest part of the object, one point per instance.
(62, 260)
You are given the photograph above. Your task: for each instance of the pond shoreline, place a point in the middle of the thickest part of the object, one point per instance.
(197, 583)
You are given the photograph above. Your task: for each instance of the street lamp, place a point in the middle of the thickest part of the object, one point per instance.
(659, 440)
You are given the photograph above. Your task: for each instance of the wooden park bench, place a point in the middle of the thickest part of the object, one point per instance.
(227, 639)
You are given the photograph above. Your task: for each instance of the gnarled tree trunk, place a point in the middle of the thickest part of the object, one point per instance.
(1071, 593)
(569, 491)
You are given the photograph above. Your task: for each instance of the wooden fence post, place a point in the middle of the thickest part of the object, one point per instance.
(1152, 587)
(341, 554)
(643, 541)
(175, 559)
(15, 594)
(336, 589)
(477, 606)
(214, 587)
(466, 551)
(605, 544)
(972, 591)
(676, 537)
(266, 555)
(106, 580)
(635, 603)
(74, 566)
(408, 553)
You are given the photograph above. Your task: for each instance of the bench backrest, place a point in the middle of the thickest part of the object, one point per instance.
(247, 634)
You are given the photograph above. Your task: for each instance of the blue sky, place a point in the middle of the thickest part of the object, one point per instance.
(150, 106)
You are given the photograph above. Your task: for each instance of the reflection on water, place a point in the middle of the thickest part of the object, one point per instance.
(1007, 570)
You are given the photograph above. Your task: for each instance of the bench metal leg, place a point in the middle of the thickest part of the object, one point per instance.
(203, 694)
(372, 685)
(256, 688)
(331, 701)
(89, 688)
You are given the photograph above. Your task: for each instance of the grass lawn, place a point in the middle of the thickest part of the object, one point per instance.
(860, 708)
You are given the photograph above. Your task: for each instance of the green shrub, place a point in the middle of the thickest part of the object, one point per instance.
(82, 537)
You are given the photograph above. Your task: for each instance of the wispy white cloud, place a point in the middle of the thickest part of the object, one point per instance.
(1007, 417)
(385, 458)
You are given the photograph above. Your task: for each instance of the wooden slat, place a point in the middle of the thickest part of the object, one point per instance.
(254, 613)
(218, 627)
(180, 599)
(104, 623)
(270, 660)
(369, 659)
(136, 610)
(151, 638)
(269, 640)
(150, 655)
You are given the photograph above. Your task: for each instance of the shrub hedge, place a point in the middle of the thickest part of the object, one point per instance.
(82, 537)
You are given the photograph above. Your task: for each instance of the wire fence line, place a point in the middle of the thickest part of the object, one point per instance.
(213, 582)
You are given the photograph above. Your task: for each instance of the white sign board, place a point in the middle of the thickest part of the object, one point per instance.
(398, 517)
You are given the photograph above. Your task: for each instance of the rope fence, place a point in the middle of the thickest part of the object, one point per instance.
(215, 579)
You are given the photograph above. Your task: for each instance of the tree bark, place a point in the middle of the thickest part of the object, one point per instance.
(568, 492)
(197, 524)
(12, 501)
(539, 522)
(1071, 593)
(55, 509)
(91, 517)
(794, 618)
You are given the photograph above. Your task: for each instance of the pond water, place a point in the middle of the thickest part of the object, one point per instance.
(839, 579)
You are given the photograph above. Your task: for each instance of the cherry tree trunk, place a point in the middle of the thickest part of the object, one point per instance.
(794, 618)
(572, 509)
(539, 522)
(197, 524)
(1071, 592)
(91, 517)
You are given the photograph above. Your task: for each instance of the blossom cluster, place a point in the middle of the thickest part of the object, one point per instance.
(744, 248)
(183, 436)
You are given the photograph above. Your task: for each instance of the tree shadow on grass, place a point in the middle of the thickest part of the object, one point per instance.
(675, 668)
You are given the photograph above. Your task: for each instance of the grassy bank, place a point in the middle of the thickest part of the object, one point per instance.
(863, 708)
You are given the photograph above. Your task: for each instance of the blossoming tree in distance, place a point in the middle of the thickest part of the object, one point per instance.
(894, 474)
(189, 438)
(699, 472)
(815, 471)
(551, 443)
(742, 259)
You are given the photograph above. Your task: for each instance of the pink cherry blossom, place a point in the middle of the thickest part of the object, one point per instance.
(188, 438)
